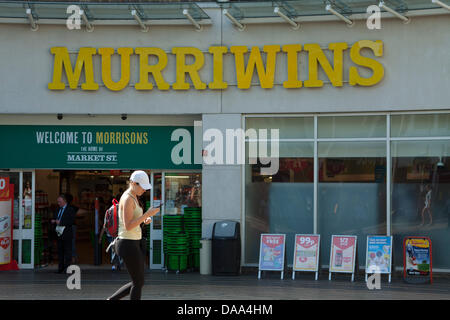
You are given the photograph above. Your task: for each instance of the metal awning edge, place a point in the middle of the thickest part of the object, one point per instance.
(108, 22)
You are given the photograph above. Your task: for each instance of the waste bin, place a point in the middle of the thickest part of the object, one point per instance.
(205, 256)
(226, 248)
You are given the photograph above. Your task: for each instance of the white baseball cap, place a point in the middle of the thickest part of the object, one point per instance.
(141, 178)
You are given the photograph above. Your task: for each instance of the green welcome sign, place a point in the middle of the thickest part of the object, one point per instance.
(93, 147)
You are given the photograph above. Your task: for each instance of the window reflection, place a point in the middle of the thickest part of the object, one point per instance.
(351, 192)
(280, 203)
(421, 195)
(181, 191)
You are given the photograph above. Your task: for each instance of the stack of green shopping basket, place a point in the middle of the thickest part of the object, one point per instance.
(193, 227)
(176, 244)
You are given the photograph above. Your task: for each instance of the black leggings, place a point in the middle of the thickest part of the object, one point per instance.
(130, 252)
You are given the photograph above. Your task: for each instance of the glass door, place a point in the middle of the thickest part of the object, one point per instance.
(176, 191)
(156, 231)
(23, 216)
(27, 220)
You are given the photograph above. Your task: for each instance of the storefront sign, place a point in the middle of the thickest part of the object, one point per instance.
(6, 216)
(417, 259)
(265, 68)
(306, 253)
(343, 254)
(97, 147)
(271, 252)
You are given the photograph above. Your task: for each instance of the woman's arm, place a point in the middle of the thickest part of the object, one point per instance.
(128, 220)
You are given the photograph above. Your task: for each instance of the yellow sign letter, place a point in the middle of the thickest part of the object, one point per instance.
(155, 70)
(218, 82)
(244, 75)
(292, 51)
(124, 68)
(377, 68)
(192, 69)
(73, 76)
(316, 56)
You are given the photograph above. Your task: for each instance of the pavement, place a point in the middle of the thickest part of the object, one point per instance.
(97, 283)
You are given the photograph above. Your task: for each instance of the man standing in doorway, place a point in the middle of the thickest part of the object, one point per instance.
(63, 220)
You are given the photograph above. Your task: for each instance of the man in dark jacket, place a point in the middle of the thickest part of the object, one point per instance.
(63, 221)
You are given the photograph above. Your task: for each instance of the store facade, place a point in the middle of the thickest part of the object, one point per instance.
(363, 116)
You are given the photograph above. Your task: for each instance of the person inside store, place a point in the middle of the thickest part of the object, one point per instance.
(69, 198)
(128, 243)
(63, 221)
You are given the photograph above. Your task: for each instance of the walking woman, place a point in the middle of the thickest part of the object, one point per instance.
(129, 234)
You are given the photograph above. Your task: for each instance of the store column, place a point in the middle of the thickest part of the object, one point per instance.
(221, 187)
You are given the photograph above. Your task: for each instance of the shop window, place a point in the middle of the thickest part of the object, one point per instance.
(26, 251)
(420, 125)
(290, 128)
(352, 127)
(421, 196)
(281, 202)
(157, 198)
(351, 192)
(157, 252)
(27, 201)
(181, 191)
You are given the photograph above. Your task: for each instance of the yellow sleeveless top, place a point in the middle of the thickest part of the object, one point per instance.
(135, 233)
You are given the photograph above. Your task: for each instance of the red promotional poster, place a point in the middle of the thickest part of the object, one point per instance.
(343, 254)
(306, 252)
(4, 188)
(272, 252)
(6, 223)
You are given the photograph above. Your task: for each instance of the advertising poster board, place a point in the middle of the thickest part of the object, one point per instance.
(379, 255)
(306, 253)
(272, 253)
(343, 254)
(6, 220)
(417, 260)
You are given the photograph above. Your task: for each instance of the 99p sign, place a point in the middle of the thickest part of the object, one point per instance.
(306, 253)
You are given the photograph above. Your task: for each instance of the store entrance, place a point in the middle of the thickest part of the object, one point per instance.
(84, 190)
(91, 189)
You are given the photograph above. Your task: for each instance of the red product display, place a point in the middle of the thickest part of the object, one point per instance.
(6, 224)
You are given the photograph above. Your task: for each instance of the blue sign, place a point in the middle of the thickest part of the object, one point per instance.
(379, 254)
